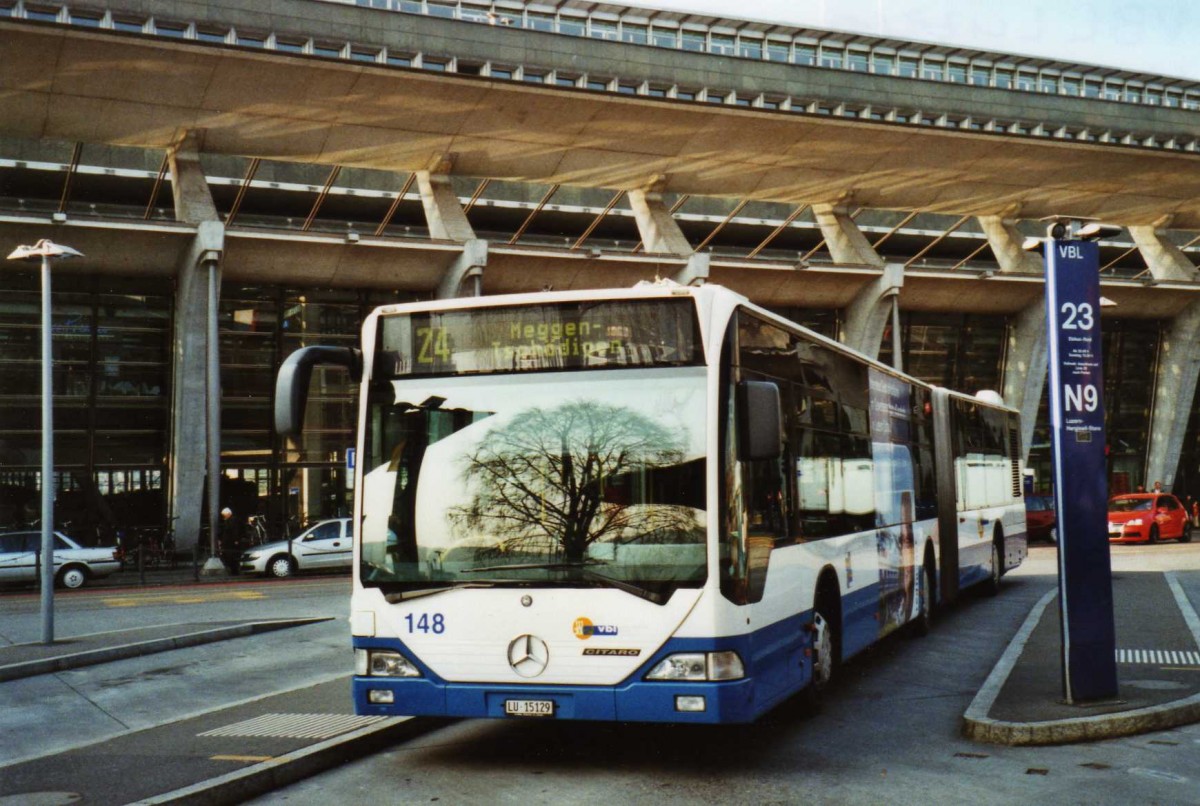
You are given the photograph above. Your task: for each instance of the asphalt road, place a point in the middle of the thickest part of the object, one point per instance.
(891, 734)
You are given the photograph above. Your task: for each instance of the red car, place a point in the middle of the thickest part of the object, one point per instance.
(1147, 518)
(1040, 518)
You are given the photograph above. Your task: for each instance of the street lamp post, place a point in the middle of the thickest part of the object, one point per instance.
(45, 250)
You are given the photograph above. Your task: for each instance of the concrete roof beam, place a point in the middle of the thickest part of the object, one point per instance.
(659, 230)
(1006, 240)
(845, 240)
(1165, 260)
(444, 214)
(193, 198)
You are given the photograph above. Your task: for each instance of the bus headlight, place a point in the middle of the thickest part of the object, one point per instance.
(699, 666)
(1134, 522)
(383, 663)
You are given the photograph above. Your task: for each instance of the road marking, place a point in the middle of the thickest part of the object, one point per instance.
(1159, 657)
(241, 758)
(295, 726)
(181, 598)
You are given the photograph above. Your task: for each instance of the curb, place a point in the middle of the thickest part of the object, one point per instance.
(977, 726)
(260, 779)
(15, 671)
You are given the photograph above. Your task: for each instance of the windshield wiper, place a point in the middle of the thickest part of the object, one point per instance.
(628, 587)
(404, 596)
(590, 576)
(554, 566)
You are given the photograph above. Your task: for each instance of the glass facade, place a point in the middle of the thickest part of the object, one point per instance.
(288, 482)
(964, 352)
(1131, 353)
(112, 398)
(1187, 477)
(111, 346)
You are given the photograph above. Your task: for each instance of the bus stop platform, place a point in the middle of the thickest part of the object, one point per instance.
(26, 660)
(1158, 672)
(224, 756)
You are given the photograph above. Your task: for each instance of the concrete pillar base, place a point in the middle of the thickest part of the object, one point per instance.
(213, 567)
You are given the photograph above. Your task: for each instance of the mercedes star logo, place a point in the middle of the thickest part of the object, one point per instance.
(528, 655)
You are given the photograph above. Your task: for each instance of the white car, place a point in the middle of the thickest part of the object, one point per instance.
(324, 545)
(73, 564)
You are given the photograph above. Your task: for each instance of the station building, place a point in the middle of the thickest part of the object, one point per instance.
(312, 159)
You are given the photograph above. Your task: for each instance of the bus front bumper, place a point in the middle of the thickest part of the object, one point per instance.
(698, 703)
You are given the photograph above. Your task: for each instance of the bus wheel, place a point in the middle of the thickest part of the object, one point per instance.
(922, 622)
(1153, 534)
(993, 584)
(824, 662)
(1186, 535)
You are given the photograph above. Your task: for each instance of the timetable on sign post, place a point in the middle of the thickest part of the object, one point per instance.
(1080, 471)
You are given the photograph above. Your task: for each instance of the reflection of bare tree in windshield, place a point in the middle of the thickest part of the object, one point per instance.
(551, 482)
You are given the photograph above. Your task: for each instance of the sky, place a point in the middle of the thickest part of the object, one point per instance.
(1154, 36)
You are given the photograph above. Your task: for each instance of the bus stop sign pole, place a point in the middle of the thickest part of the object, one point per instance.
(1080, 472)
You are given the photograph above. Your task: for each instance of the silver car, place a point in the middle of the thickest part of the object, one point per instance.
(73, 564)
(324, 545)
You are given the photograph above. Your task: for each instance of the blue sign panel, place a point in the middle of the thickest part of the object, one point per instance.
(1080, 494)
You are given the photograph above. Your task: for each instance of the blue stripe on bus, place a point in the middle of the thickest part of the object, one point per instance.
(634, 700)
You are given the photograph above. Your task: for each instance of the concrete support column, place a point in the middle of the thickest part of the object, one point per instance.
(1178, 371)
(696, 270)
(1027, 354)
(868, 316)
(659, 230)
(1179, 363)
(448, 222)
(464, 277)
(443, 213)
(1026, 359)
(189, 455)
(195, 430)
(845, 240)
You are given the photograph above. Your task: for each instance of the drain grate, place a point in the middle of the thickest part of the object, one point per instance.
(295, 726)
(1158, 657)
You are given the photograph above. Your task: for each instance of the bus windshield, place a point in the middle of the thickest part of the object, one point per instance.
(577, 479)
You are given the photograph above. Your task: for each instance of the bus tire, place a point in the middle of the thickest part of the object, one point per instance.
(826, 643)
(992, 586)
(1153, 534)
(922, 621)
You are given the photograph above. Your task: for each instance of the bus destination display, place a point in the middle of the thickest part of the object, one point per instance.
(530, 338)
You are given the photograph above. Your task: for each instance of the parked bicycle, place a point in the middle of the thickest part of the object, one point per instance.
(256, 531)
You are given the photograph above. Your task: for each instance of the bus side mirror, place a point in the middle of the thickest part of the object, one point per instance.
(760, 421)
(291, 384)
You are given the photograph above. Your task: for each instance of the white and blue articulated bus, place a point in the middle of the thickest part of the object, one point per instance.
(657, 504)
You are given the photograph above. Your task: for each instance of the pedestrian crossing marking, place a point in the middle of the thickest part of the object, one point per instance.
(296, 726)
(1159, 657)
